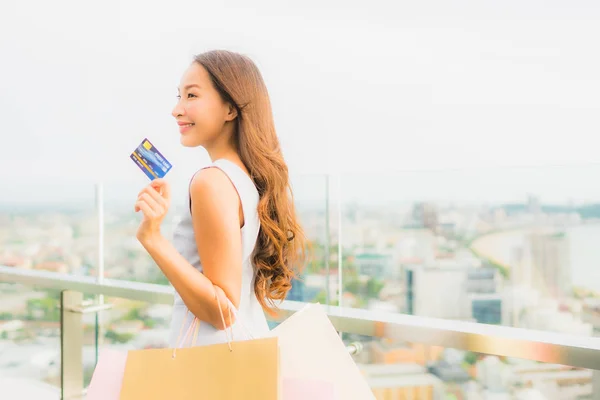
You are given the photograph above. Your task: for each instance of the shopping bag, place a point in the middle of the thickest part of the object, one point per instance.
(307, 389)
(108, 376)
(247, 369)
(310, 348)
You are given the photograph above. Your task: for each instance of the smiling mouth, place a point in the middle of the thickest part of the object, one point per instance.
(187, 125)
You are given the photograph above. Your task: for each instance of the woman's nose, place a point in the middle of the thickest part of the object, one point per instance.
(177, 111)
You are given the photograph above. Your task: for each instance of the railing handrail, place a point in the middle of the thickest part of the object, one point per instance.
(543, 346)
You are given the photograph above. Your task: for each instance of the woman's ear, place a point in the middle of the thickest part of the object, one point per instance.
(232, 112)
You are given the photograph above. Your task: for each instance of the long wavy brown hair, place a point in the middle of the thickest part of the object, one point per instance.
(280, 251)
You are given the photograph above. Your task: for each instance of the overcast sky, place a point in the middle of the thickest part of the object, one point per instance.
(370, 88)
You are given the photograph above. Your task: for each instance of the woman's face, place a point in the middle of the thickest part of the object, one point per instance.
(200, 111)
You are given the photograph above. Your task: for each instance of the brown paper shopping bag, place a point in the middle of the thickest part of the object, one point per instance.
(230, 371)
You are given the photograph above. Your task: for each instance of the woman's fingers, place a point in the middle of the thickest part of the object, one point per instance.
(141, 205)
(162, 187)
(156, 196)
(154, 205)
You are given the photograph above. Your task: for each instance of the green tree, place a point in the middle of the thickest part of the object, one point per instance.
(149, 323)
(133, 315)
(353, 286)
(374, 286)
(47, 307)
(6, 316)
(118, 337)
(315, 265)
(321, 298)
(470, 358)
(159, 279)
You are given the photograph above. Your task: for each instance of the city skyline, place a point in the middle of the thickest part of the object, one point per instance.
(552, 185)
(519, 267)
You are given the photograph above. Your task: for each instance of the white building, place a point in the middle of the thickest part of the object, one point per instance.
(452, 290)
(402, 381)
(494, 375)
(552, 270)
(437, 292)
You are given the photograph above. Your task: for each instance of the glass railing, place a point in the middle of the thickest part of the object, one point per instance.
(505, 247)
(400, 355)
(124, 258)
(30, 354)
(59, 233)
(397, 370)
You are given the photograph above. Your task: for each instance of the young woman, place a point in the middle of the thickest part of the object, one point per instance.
(240, 237)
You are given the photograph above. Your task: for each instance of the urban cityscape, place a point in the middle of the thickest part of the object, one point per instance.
(529, 265)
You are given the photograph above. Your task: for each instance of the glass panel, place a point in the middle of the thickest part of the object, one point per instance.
(49, 233)
(124, 256)
(398, 370)
(57, 233)
(126, 259)
(318, 280)
(510, 246)
(393, 369)
(127, 325)
(29, 342)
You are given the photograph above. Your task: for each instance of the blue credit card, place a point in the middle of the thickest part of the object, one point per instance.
(150, 160)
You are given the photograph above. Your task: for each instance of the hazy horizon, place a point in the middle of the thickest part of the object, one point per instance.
(473, 87)
(559, 185)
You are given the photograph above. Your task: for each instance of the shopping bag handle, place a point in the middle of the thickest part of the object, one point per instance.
(196, 324)
(231, 309)
(193, 327)
(230, 337)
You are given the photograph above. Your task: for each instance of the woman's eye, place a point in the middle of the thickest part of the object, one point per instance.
(191, 95)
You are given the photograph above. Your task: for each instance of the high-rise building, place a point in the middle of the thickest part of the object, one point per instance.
(487, 309)
(550, 256)
(483, 280)
(426, 216)
(454, 292)
(534, 205)
(436, 292)
(483, 287)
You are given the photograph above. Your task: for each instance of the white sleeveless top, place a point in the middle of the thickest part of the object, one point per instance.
(250, 313)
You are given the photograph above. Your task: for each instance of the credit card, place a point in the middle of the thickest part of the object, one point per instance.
(150, 160)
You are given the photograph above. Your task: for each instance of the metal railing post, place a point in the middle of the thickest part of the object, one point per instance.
(339, 229)
(71, 345)
(100, 277)
(596, 385)
(327, 242)
(72, 308)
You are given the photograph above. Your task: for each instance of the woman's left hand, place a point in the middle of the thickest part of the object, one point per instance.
(153, 201)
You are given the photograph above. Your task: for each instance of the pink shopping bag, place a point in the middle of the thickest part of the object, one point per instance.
(311, 348)
(108, 376)
(302, 389)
